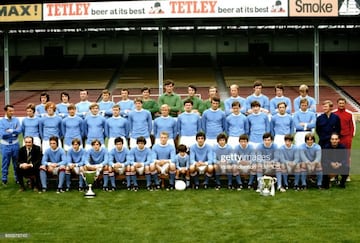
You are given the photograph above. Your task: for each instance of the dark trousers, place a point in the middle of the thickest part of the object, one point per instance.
(31, 172)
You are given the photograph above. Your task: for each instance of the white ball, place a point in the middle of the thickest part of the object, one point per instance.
(180, 185)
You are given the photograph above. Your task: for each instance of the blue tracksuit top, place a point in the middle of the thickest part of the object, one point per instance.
(72, 127)
(116, 127)
(62, 109)
(182, 161)
(276, 100)
(100, 157)
(167, 124)
(94, 128)
(266, 154)
(143, 156)
(203, 154)
(262, 99)
(50, 126)
(311, 102)
(289, 154)
(307, 117)
(164, 152)
(245, 154)
(228, 104)
(105, 108)
(31, 126)
(213, 122)
(54, 156)
(188, 124)
(223, 153)
(236, 125)
(282, 124)
(126, 106)
(310, 154)
(15, 129)
(258, 125)
(76, 157)
(82, 107)
(140, 123)
(118, 156)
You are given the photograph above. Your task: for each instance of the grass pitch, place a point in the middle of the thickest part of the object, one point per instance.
(184, 216)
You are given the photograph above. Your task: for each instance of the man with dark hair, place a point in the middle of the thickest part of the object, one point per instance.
(148, 103)
(9, 131)
(197, 103)
(28, 163)
(171, 99)
(40, 108)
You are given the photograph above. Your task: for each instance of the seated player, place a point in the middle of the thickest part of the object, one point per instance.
(201, 160)
(182, 162)
(164, 156)
(53, 162)
(74, 160)
(118, 162)
(96, 159)
(140, 158)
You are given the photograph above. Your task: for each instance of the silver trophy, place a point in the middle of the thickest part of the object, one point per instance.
(266, 185)
(89, 177)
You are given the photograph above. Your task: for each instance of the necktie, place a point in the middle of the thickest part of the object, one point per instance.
(29, 156)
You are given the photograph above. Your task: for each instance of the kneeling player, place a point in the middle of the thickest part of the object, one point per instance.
(222, 160)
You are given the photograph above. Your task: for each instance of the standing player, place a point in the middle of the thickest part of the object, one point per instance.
(126, 105)
(303, 91)
(9, 131)
(327, 124)
(259, 97)
(140, 124)
(188, 124)
(201, 160)
(30, 125)
(171, 99)
(50, 125)
(75, 159)
(62, 108)
(197, 103)
(258, 124)
(118, 162)
(72, 127)
(165, 123)
(304, 121)
(105, 105)
(40, 109)
(212, 93)
(279, 97)
(148, 103)
(281, 124)
(236, 124)
(116, 126)
(82, 107)
(234, 96)
(53, 162)
(94, 126)
(213, 122)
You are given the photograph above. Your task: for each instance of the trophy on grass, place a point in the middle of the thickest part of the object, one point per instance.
(267, 185)
(89, 177)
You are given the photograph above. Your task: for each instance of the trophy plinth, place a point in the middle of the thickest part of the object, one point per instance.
(89, 177)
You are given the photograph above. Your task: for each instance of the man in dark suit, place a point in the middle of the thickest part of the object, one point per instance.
(28, 163)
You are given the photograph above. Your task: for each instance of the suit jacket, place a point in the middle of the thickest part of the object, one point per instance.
(36, 156)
